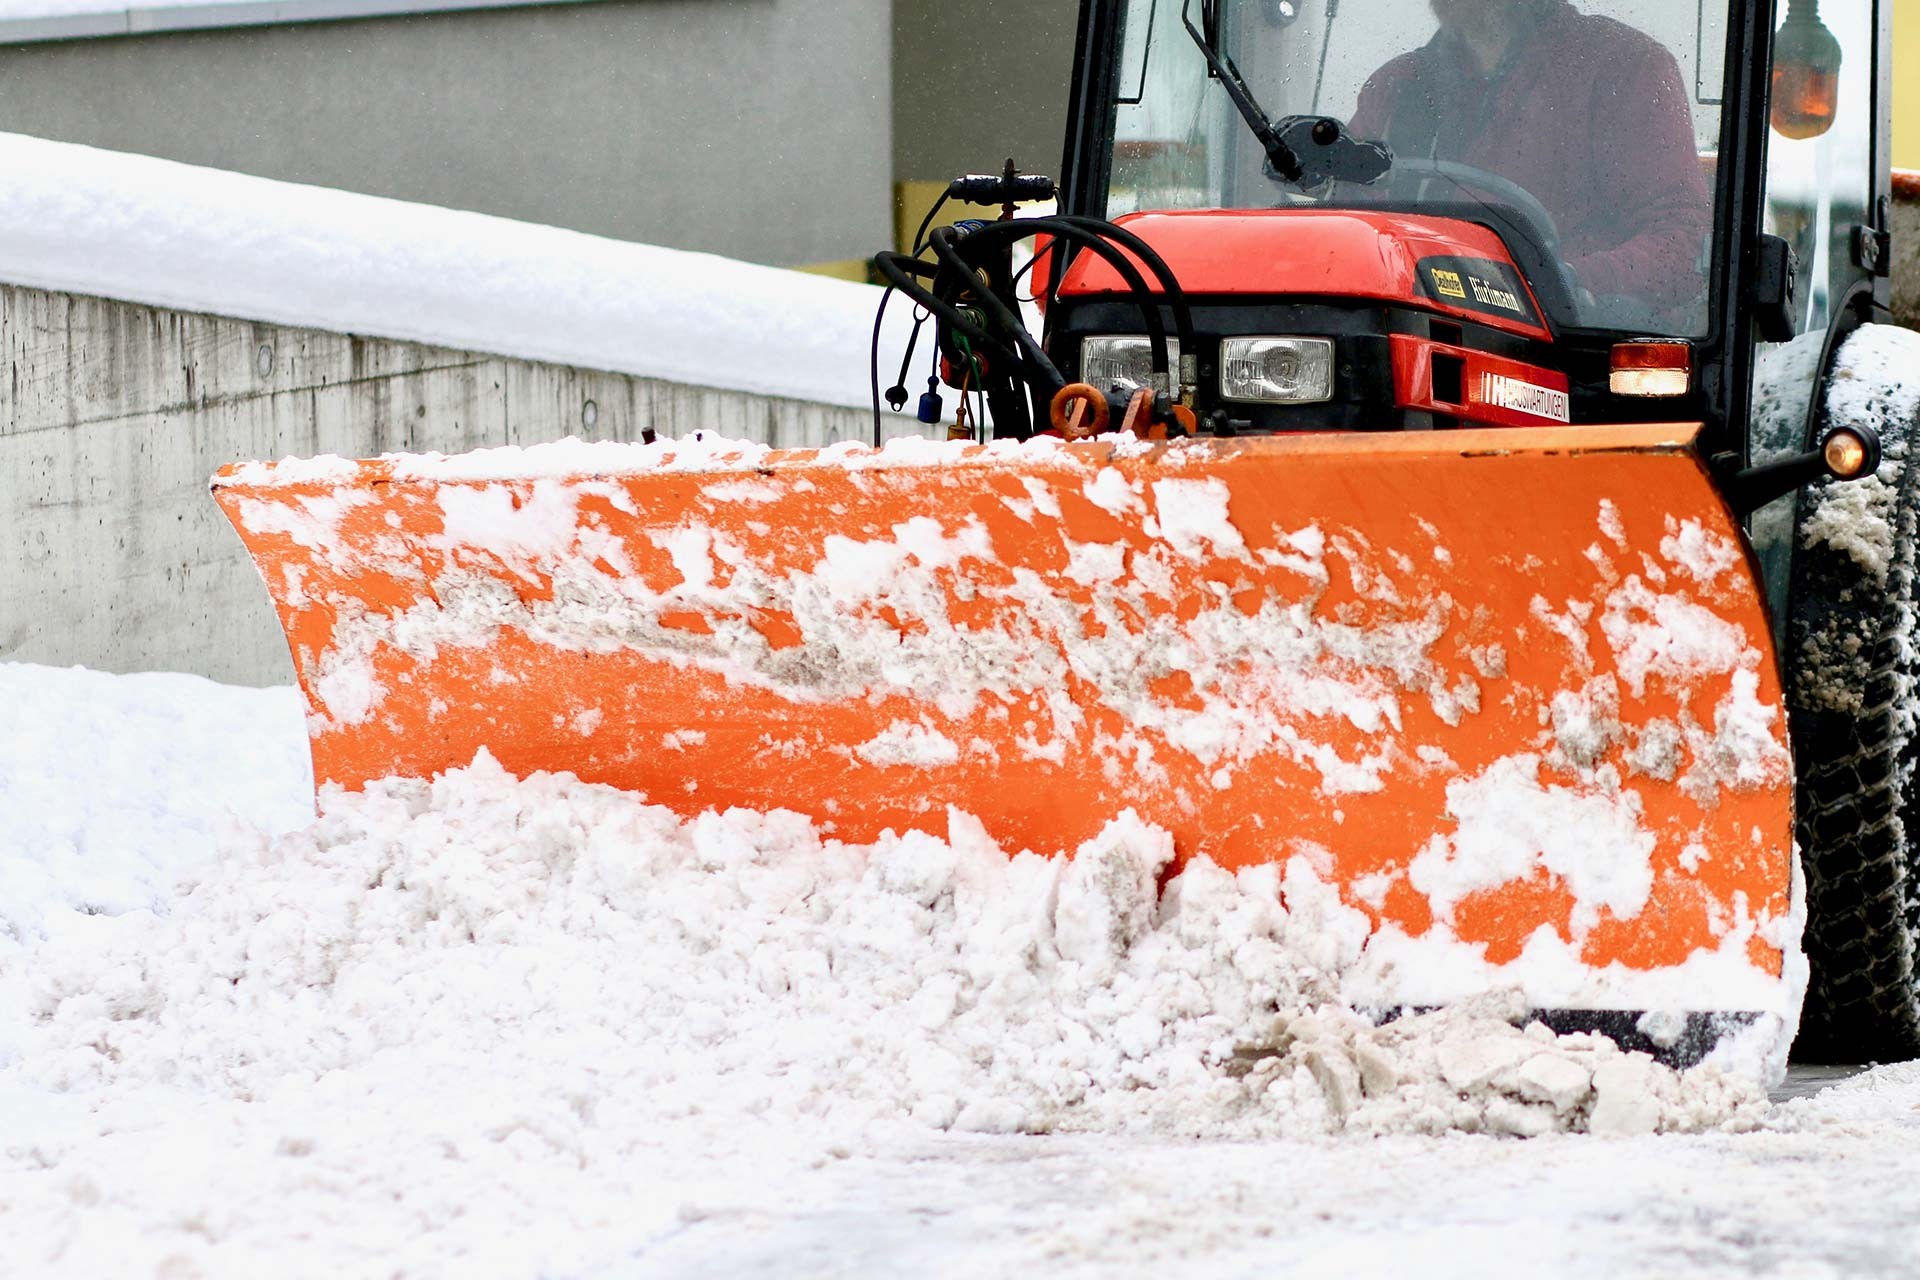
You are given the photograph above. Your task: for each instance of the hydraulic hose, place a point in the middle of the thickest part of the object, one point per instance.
(1093, 240)
(900, 270)
(1176, 295)
(942, 241)
(1026, 360)
(873, 360)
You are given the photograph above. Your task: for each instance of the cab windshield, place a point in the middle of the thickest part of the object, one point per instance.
(1584, 133)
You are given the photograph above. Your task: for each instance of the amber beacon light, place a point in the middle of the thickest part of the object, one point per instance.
(1806, 73)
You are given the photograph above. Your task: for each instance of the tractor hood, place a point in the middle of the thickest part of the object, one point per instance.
(1441, 264)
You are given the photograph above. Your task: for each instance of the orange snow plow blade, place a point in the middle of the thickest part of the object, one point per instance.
(1511, 694)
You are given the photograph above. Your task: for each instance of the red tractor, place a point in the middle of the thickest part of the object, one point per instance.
(1422, 496)
(1375, 216)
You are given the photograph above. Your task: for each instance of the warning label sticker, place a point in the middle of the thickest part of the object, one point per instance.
(1447, 283)
(1520, 396)
(1478, 285)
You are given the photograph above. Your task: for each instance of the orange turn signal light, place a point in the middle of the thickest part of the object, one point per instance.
(1650, 367)
(1846, 454)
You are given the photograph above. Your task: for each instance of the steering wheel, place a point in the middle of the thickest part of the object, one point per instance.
(1509, 198)
(1508, 192)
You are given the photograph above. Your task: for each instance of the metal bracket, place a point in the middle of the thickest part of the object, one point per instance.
(1774, 273)
(1873, 250)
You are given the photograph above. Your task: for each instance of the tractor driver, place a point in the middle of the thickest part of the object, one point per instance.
(1589, 115)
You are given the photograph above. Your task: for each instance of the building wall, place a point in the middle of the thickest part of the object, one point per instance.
(977, 81)
(760, 129)
(114, 416)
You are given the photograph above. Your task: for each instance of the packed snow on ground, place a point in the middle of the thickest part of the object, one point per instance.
(486, 1026)
(152, 231)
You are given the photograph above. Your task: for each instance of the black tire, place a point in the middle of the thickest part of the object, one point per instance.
(1851, 700)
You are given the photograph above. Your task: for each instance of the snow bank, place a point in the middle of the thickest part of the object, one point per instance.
(497, 1027)
(450, 1013)
(83, 220)
(105, 784)
(756, 965)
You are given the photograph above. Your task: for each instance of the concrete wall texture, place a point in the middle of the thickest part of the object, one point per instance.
(1906, 249)
(112, 554)
(624, 118)
(976, 81)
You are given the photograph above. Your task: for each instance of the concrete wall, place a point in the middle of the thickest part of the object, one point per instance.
(1906, 248)
(112, 554)
(976, 81)
(759, 129)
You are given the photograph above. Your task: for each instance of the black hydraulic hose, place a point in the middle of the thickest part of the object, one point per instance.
(1093, 241)
(873, 363)
(900, 269)
(1137, 290)
(942, 241)
(920, 236)
(1105, 240)
(1169, 284)
(873, 359)
(1093, 234)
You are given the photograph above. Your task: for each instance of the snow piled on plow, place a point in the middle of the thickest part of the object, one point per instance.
(743, 962)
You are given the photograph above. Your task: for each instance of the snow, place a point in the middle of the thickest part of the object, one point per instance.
(1192, 516)
(111, 847)
(21, 10)
(1873, 385)
(1510, 825)
(498, 1027)
(89, 221)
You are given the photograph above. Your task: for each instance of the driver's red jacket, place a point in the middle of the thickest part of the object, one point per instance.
(1591, 116)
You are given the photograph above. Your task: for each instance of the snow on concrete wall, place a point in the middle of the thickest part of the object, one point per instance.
(114, 415)
(113, 225)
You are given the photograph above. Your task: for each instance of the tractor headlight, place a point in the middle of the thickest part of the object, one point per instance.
(1277, 370)
(1124, 363)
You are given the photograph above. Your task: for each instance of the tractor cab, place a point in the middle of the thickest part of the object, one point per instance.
(1392, 215)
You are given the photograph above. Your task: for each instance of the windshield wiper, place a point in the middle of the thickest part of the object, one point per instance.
(1284, 159)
